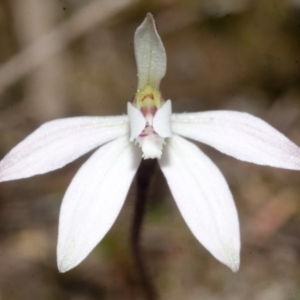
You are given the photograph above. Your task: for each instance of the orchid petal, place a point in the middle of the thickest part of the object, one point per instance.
(56, 143)
(203, 198)
(150, 54)
(240, 135)
(94, 200)
(137, 121)
(162, 120)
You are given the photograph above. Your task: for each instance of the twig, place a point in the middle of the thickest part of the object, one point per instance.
(144, 175)
(44, 87)
(57, 39)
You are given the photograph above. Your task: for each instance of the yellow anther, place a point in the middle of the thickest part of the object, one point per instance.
(148, 97)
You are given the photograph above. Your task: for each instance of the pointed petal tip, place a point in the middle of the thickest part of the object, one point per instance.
(233, 259)
(232, 255)
(148, 19)
(62, 269)
(67, 258)
(234, 266)
(235, 269)
(2, 175)
(63, 259)
(149, 16)
(5, 175)
(64, 266)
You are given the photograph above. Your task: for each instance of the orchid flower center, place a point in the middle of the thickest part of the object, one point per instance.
(148, 100)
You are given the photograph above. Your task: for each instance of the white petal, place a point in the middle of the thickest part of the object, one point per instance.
(56, 143)
(150, 54)
(240, 135)
(203, 198)
(94, 200)
(137, 121)
(162, 120)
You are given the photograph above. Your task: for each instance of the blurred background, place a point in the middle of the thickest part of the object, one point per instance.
(62, 58)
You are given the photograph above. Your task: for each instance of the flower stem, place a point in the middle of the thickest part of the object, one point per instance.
(144, 175)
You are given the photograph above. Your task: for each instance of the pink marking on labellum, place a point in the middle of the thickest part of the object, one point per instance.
(149, 110)
(148, 130)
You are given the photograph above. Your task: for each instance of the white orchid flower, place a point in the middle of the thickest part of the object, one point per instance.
(98, 191)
